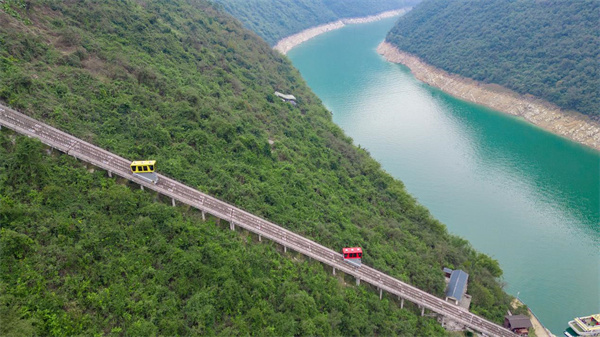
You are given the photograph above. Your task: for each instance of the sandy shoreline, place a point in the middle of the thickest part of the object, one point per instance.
(286, 44)
(569, 124)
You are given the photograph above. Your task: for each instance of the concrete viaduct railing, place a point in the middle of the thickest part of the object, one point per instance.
(114, 164)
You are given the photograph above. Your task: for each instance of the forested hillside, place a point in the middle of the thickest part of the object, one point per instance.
(549, 49)
(83, 255)
(274, 20)
(185, 84)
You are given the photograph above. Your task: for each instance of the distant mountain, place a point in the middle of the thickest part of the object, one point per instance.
(185, 84)
(547, 48)
(274, 20)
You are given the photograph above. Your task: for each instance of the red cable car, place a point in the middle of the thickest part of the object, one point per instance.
(353, 255)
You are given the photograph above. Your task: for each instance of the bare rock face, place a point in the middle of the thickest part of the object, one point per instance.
(569, 124)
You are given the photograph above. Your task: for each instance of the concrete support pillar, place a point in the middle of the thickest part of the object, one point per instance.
(203, 216)
(232, 226)
(357, 281)
(401, 303)
(259, 238)
(173, 202)
(109, 174)
(284, 249)
(333, 270)
(142, 187)
(422, 311)
(380, 293)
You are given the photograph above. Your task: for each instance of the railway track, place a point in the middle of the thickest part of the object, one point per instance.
(236, 217)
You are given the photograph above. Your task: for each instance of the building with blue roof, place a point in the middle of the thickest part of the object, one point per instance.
(457, 286)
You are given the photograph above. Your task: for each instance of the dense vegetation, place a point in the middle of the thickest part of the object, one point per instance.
(549, 49)
(111, 260)
(185, 84)
(274, 20)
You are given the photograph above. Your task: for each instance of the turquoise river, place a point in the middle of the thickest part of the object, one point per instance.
(526, 197)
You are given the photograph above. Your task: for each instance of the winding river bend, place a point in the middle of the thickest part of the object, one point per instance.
(526, 197)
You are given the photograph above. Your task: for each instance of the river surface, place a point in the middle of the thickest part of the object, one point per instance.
(526, 197)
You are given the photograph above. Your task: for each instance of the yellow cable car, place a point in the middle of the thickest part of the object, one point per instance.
(145, 170)
(145, 166)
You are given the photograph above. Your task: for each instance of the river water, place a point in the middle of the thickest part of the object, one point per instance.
(526, 197)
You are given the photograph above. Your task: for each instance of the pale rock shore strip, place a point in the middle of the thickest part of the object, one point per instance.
(286, 44)
(569, 124)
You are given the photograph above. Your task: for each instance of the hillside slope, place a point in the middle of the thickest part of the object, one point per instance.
(549, 49)
(83, 255)
(274, 20)
(185, 84)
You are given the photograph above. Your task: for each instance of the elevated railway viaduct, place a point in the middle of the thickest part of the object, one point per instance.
(114, 164)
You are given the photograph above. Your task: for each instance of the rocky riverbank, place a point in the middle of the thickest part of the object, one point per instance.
(569, 124)
(286, 44)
